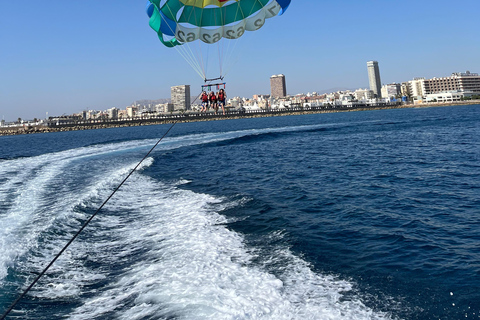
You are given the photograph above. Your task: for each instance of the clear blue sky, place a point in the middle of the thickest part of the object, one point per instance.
(67, 56)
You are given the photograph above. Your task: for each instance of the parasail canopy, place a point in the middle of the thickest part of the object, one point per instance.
(179, 22)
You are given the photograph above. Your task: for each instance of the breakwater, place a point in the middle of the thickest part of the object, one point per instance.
(193, 117)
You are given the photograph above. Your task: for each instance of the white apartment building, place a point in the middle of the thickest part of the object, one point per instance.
(417, 88)
(131, 111)
(445, 97)
(364, 94)
(112, 113)
(405, 89)
(391, 90)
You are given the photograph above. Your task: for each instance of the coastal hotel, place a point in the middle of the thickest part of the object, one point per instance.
(453, 88)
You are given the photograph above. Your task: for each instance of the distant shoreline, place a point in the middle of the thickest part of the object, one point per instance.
(6, 131)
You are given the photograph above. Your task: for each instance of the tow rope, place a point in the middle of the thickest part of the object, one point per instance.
(12, 306)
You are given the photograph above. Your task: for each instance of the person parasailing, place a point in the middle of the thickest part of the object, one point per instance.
(213, 101)
(204, 102)
(222, 96)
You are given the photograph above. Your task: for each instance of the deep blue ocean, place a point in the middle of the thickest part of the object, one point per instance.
(353, 215)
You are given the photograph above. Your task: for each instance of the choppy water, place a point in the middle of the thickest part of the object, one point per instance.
(360, 215)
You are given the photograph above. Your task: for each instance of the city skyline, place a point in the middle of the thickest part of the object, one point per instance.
(68, 65)
(455, 87)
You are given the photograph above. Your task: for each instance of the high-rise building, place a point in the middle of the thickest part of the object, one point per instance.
(374, 78)
(278, 86)
(180, 97)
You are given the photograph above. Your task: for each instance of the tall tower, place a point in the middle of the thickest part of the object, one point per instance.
(180, 97)
(374, 78)
(278, 86)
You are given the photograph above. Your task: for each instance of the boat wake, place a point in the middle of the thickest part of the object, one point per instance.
(155, 251)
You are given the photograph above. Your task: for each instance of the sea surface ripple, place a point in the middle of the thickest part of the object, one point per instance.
(356, 215)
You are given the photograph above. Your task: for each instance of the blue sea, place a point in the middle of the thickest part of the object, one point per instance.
(352, 215)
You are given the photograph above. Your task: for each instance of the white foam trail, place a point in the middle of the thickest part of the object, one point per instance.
(26, 210)
(35, 198)
(195, 268)
(171, 255)
(68, 275)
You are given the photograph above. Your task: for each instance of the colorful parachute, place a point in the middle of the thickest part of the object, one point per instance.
(180, 21)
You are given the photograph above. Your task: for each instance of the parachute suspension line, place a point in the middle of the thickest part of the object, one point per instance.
(197, 49)
(207, 61)
(85, 224)
(220, 46)
(231, 52)
(198, 54)
(187, 54)
(194, 57)
(230, 58)
(190, 59)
